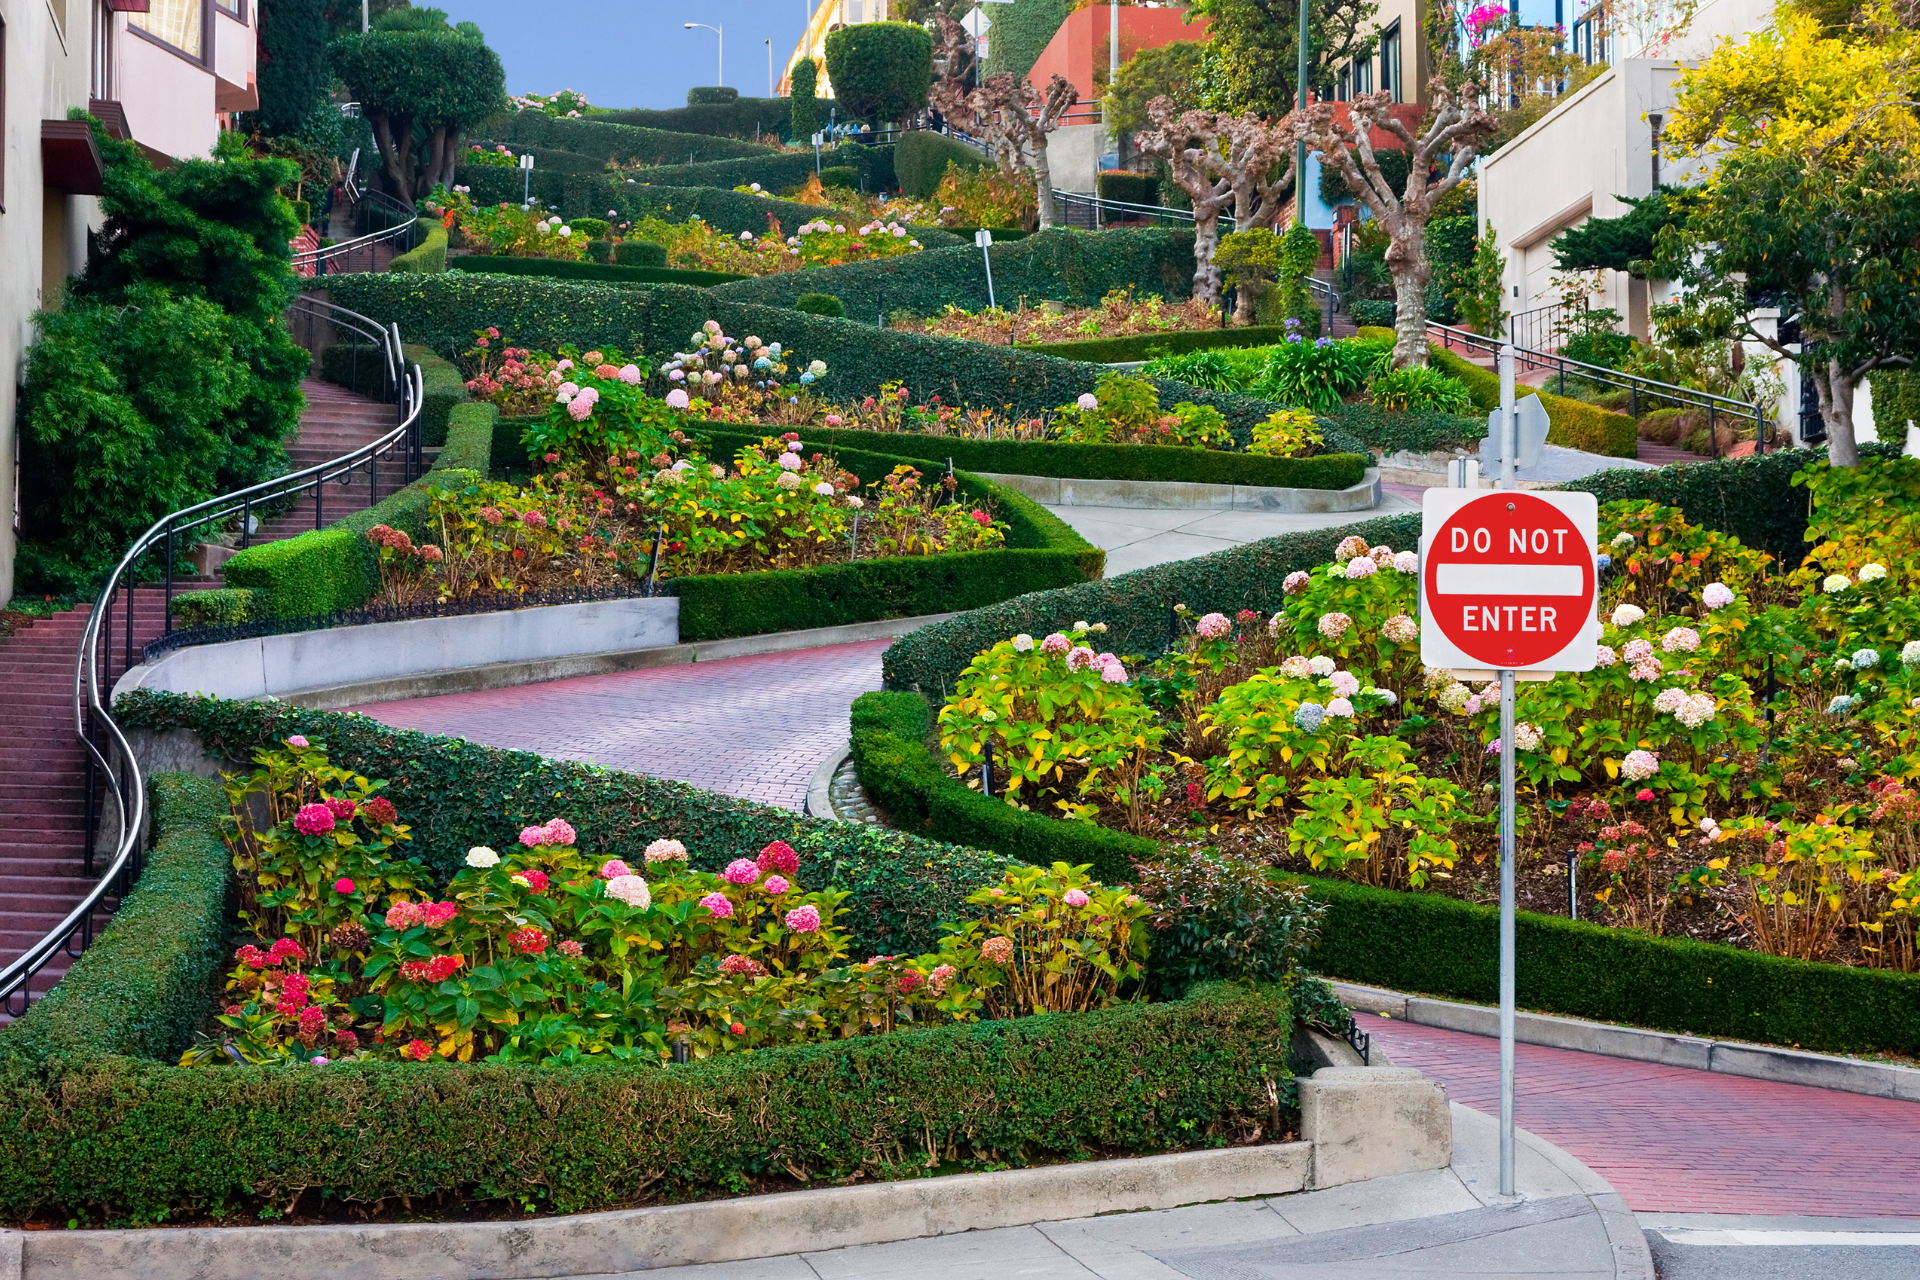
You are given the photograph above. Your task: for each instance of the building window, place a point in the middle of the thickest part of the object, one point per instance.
(178, 24)
(1363, 77)
(100, 68)
(232, 8)
(1390, 61)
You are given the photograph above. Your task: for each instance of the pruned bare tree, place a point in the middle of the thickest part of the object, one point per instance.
(955, 55)
(1014, 118)
(1454, 129)
(1241, 162)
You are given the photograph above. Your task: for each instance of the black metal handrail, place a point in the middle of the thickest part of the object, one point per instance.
(107, 747)
(314, 262)
(1078, 208)
(1632, 383)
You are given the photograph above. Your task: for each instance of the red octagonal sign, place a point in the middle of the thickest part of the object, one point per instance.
(1508, 581)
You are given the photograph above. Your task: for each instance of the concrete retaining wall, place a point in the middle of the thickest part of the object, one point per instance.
(354, 656)
(1179, 495)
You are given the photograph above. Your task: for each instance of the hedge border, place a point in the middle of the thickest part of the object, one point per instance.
(608, 272)
(1574, 423)
(428, 257)
(1143, 346)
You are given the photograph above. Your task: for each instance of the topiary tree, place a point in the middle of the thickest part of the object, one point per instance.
(881, 71)
(420, 89)
(295, 73)
(804, 117)
(1454, 127)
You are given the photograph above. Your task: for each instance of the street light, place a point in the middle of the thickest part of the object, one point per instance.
(720, 49)
(1300, 151)
(769, 68)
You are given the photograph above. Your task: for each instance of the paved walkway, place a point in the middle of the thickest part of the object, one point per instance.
(1675, 1140)
(1135, 537)
(1446, 1222)
(754, 727)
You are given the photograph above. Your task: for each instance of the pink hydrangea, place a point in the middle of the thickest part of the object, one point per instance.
(775, 885)
(435, 914)
(1349, 547)
(1639, 766)
(804, 919)
(1669, 701)
(313, 1020)
(1637, 650)
(997, 950)
(1088, 402)
(1214, 626)
(1407, 562)
(560, 833)
(343, 885)
(1296, 582)
(1604, 656)
(298, 741)
(404, 915)
(1345, 684)
(1055, 644)
(613, 867)
(778, 856)
(572, 950)
(742, 966)
(1334, 625)
(718, 904)
(1298, 667)
(1401, 629)
(630, 374)
(1717, 595)
(341, 809)
(1646, 670)
(533, 837)
(741, 871)
(1680, 640)
(580, 408)
(1340, 707)
(1075, 898)
(1382, 556)
(1361, 567)
(1080, 658)
(677, 398)
(666, 851)
(942, 974)
(1113, 672)
(313, 820)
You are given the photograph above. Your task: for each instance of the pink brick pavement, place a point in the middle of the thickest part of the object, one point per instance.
(753, 727)
(1674, 1140)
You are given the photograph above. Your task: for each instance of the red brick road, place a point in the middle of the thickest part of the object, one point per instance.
(1674, 1140)
(753, 727)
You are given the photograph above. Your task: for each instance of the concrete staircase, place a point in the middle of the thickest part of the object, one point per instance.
(43, 767)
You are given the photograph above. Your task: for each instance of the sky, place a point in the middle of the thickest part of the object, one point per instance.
(634, 53)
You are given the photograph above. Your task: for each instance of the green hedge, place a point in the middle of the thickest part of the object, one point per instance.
(1575, 423)
(737, 119)
(218, 607)
(142, 985)
(611, 273)
(1144, 346)
(547, 159)
(1126, 187)
(591, 195)
(443, 311)
(920, 160)
(360, 370)
(430, 255)
(1106, 461)
(1391, 430)
(1441, 946)
(456, 794)
(901, 773)
(605, 140)
(335, 568)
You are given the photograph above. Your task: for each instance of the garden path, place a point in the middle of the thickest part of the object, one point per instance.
(43, 871)
(755, 727)
(1135, 538)
(1676, 1140)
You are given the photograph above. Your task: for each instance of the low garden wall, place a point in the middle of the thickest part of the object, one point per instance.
(166, 1141)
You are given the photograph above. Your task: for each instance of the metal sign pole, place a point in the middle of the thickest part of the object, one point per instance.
(1509, 426)
(1509, 452)
(984, 238)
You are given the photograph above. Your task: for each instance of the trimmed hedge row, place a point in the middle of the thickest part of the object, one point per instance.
(141, 987)
(457, 794)
(611, 273)
(604, 140)
(734, 119)
(335, 568)
(1106, 461)
(429, 256)
(920, 160)
(584, 195)
(1575, 423)
(899, 770)
(444, 310)
(1429, 943)
(549, 159)
(1143, 346)
(442, 386)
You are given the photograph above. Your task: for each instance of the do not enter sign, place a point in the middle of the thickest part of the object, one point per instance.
(1508, 581)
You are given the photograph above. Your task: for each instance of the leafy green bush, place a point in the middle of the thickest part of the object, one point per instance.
(921, 157)
(221, 607)
(142, 985)
(640, 253)
(881, 71)
(1574, 423)
(599, 137)
(1223, 917)
(1389, 430)
(1418, 388)
(432, 78)
(1446, 947)
(820, 304)
(1144, 346)
(901, 774)
(1317, 376)
(608, 273)
(1127, 187)
(744, 117)
(803, 115)
(1019, 34)
(711, 96)
(1371, 312)
(844, 176)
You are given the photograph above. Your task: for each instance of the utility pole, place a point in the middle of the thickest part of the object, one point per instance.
(1300, 151)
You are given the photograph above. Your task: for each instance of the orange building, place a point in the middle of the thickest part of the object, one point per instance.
(1079, 48)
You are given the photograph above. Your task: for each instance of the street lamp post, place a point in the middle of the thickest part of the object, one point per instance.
(720, 48)
(1300, 151)
(769, 68)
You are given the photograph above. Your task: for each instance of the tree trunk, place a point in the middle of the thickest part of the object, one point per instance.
(1407, 259)
(1043, 181)
(436, 158)
(1206, 239)
(393, 134)
(1246, 299)
(1835, 386)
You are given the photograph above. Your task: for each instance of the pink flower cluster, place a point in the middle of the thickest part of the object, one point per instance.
(742, 966)
(1213, 626)
(718, 904)
(1296, 582)
(1350, 547)
(1055, 645)
(535, 881)
(284, 949)
(778, 856)
(572, 950)
(437, 969)
(557, 833)
(775, 885)
(997, 950)
(1075, 898)
(613, 868)
(1334, 625)
(405, 915)
(666, 851)
(314, 820)
(804, 919)
(294, 989)
(528, 941)
(742, 871)
(937, 980)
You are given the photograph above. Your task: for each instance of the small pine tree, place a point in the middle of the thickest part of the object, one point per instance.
(800, 88)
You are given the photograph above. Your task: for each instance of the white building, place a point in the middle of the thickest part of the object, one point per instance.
(162, 72)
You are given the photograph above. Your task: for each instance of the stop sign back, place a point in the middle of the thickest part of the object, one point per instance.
(1507, 580)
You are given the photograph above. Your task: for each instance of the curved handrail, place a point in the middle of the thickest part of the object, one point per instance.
(313, 262)
(125, 783)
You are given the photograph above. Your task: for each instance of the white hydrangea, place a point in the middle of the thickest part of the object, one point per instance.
(1622, 539)
(1872, 572)
(482, 857)
(631, 890)
(1321, 665)
(1864, 658)
(1910, 654)
(1407, 562)
(1023, 643)
(1627, 615)
(1834, 583)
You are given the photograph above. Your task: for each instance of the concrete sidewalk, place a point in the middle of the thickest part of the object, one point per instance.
(1135, 537)
(1566, 1223)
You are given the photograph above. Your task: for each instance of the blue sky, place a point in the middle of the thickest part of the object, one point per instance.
(634, 53)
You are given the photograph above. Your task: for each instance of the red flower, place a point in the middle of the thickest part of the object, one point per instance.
(778, 856)
(418, 1050)
(537, 881)
(738, 1029)
(1646, 794)
(343, 885)
(286, 947)
(981, 517)
(379, 811)
(910, 980)
(341, 809)
(346, 1039)
(528, 941)
(1195, 796)
(313, 1020)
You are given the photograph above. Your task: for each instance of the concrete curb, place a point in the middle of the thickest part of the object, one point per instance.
(820, 790)
(1180, 495)
(504, 675)
(675, 1235)
(1732, 1058)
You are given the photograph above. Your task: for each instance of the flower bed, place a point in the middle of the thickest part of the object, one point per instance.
(1120, 314)
(184, 1144)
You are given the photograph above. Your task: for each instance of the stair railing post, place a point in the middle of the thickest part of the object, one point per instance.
(168, 608)
(129, 662)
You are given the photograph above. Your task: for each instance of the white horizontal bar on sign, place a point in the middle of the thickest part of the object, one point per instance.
(1508, 580)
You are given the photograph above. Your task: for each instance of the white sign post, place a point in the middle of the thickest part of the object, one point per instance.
(1508, 586)
(526, 180)
(984, 238)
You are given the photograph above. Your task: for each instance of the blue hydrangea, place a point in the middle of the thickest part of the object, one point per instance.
(1606, 562)
(1841, 705)
(1309, 716)
(1864, 658)
(806, 379)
